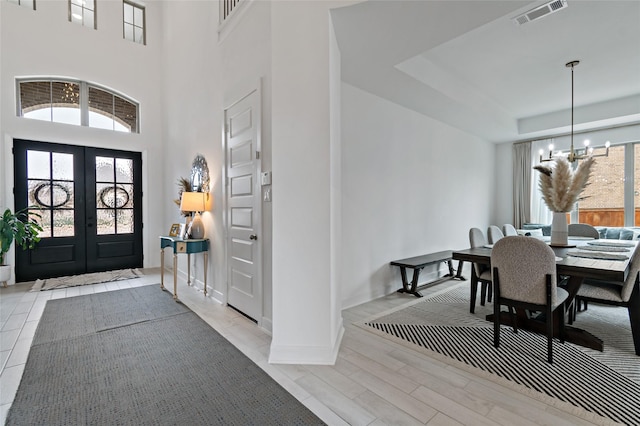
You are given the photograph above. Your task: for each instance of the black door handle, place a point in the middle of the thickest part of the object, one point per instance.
(253, 237)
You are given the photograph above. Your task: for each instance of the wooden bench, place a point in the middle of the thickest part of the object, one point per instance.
(418, 263)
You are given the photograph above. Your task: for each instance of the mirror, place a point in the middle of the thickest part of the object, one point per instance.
(199, 175)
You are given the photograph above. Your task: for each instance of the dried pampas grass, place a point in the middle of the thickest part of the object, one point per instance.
(561, 186)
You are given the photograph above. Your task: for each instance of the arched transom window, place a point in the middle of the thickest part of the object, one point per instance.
(76, 102)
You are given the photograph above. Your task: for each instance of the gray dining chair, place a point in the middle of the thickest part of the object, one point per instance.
(582, 230)
(524, 277)
(626, 294)
(479, 273)
(494, 234)
(509, 230)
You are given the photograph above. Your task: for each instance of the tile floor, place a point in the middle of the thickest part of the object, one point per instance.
(374, 381)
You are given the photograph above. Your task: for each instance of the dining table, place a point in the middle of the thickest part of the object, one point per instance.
(574, 264)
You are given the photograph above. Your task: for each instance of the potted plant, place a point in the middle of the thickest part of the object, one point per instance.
(19, 228)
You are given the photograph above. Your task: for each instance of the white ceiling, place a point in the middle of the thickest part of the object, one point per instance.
(467, 63)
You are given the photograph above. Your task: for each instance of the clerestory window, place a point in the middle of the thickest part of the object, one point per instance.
(31, 4)
(133, 22)
(76, 102)
(83, 12)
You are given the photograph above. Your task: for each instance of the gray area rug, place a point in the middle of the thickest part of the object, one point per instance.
(602, 387)
(136, 357)
(84, 279)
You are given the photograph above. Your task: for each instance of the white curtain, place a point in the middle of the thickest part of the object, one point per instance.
(539, 211)
(522, 167)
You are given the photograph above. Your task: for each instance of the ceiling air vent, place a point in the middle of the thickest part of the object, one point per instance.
(540, 11)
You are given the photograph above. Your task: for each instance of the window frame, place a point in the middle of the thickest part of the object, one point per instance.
(83, 23)
(135, 6)
(20, 3)
(83, 103)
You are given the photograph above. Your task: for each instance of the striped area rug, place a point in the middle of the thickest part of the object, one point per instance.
(603, 387)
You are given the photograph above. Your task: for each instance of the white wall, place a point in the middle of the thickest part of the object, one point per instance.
(44, 43)
(411, 185)
(192, 120)
(306, 327)
(203, 74)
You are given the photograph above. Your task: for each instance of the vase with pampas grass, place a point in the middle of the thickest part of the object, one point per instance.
(561, 188)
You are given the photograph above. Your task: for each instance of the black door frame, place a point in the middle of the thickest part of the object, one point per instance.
(85, 251)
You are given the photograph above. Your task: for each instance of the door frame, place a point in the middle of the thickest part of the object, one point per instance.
(84, 158)
(255, 88)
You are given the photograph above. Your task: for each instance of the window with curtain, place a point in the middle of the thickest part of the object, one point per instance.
(612, 197)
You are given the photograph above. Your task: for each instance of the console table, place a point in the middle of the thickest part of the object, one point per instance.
(183, 246)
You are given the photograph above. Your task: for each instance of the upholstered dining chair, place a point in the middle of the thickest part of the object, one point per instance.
(582, 230)
(494, 234)
(626, 294)
(479, 273)
(509, 230)
(524, 276)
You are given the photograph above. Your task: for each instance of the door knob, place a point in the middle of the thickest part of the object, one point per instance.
(253, 237)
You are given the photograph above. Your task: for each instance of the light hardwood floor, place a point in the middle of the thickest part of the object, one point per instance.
(374, 381)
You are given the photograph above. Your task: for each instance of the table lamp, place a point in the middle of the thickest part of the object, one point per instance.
(194, 202)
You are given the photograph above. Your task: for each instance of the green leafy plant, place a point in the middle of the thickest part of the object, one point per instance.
(17, 227)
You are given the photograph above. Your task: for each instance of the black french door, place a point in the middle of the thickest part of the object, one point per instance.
(89, 202)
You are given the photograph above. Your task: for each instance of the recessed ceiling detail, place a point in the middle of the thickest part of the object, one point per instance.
(540, 11)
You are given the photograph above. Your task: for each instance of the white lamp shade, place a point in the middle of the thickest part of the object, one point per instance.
(192, 202)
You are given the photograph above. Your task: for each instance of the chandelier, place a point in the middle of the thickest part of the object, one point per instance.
(580, 153)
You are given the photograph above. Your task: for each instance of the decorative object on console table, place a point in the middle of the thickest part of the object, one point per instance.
(174, 231)
(561, 188)
(194, 202)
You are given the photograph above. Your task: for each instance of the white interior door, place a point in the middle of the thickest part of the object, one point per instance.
(243, 204)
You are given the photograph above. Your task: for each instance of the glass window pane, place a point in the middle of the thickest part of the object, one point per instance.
(106, 196)
(38, 165)
(100, 102)
(63, 224)
(138, 19)
(76, 2)
(89, 4)
(66, 102)
(62, 195)
(603, 203)
(76, 14)
(138, 35)
(125, 113)
(106, 224)
(125, 221)
(128, 13)
(36, 96)
(39, 193)
(124, 196)
(104, 169)
(128, 31)
(87, 18)
(124, 170)
(62, 166)
(44, 220)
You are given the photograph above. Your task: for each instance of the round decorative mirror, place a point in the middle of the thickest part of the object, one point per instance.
(199, 175)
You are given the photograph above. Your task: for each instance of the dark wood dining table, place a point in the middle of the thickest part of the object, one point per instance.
(576, 269)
